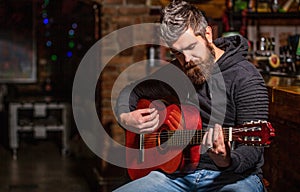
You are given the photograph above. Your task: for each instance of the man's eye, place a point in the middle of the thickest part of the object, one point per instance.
(191, 47)
(175, 52)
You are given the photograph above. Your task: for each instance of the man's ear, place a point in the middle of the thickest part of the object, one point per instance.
(208, 34)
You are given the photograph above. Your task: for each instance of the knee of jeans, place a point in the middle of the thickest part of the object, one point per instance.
(249, 184)
(156, 174)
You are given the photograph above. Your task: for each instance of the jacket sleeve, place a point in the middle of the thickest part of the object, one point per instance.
(251, 99)
(126, 101)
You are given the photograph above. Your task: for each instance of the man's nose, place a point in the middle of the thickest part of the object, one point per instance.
(187, 56)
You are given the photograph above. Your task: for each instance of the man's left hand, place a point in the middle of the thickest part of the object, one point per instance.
(218, 148)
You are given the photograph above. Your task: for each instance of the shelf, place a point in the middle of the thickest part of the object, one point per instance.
(269, 15)
(38, 118)
(275, 19)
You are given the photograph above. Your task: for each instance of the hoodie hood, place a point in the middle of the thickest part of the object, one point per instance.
(236, 50)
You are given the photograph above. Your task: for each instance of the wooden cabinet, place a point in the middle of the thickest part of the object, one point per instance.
(282, 158)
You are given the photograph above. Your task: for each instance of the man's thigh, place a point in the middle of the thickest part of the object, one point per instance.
(153, 182)
(251, 183)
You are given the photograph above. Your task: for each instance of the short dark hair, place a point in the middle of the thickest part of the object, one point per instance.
(177, 17)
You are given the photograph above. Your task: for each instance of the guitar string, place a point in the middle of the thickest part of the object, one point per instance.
(184, 138)
(234, 131)
(185, 133)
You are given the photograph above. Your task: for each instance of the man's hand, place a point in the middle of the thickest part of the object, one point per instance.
(218, 150)
(141, 120)
(174, 121)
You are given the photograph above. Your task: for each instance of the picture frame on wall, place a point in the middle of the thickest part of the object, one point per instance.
(17, 41)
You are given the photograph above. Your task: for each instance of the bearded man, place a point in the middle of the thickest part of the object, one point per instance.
(215, 76)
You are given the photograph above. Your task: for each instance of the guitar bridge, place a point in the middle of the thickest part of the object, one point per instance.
(142, 148)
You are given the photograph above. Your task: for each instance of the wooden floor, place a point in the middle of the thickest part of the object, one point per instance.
(40, 167)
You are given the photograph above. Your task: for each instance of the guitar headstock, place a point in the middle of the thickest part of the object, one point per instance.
(260, 133)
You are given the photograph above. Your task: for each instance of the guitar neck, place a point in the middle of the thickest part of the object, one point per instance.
(190, 137)
(258, 133)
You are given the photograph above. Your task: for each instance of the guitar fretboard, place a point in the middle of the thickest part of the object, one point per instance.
(189, 137)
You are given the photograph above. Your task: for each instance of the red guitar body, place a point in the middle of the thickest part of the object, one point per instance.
(156, 154)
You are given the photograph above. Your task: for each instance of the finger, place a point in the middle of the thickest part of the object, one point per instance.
(150, 125)
(151, 128)
(173, 120)
(209, 139)
(150, 116)
(146, 111)
(172, 123)
(204, 139)
(176, 115)
(204, 146)
(219, 145)
(218, 137)
(216, 132)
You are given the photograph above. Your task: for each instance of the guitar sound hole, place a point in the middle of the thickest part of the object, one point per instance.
(162, 140)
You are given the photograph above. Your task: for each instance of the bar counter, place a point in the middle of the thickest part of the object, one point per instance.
(284, 95)
(282, 158)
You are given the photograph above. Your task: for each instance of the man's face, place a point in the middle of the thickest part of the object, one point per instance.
(195, 56)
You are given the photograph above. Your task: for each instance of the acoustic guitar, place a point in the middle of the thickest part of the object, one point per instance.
(172, 149)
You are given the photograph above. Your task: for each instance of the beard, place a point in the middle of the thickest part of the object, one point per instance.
(199, 71)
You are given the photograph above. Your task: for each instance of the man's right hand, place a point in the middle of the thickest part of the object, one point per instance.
(141, 120)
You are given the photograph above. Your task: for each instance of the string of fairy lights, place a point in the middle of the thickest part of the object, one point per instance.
(51, 39)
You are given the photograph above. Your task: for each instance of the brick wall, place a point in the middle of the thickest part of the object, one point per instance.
(117, 14)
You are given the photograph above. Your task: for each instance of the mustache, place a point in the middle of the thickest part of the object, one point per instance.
(191, 64)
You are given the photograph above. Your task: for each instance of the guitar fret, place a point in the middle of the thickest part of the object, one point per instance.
(185, 137)
(194, 137)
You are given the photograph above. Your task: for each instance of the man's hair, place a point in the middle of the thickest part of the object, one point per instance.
(177, 17)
